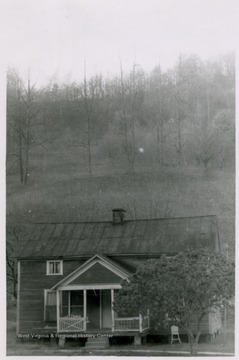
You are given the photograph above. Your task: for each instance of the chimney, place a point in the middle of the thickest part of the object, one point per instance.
(118, 216)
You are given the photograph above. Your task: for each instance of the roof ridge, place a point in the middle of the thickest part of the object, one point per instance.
(110, 222)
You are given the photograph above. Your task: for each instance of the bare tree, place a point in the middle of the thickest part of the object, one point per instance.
(159, 110)
(87, 98)
(128, 106)
(22, 115)
(88, 95)
(11, 263)
(179, 96)
(206, 149)
(205, 136)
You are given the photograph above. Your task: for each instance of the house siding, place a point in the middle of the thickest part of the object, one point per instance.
(97, 274)
(33, 281)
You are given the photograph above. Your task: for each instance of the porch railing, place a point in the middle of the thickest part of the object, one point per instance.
(74, 323)
(139, 323)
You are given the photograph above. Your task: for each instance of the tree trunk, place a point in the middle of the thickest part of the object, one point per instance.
(88, 110)
(179, 140)
(193, 340)
(193, 344)
(162, 144)
(28, 124)
(27, 145)
(134, 195)
(160, 124)
(26, 164)
(20, 153)
(89, 159)
(158, 139)
(20, 139)
(134, 118)
(89, 150)
(208, 108)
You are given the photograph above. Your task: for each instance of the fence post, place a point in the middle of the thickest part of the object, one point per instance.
(112, 310)
(58, 309)
(148, 318)
(140, 323)
(85, 308)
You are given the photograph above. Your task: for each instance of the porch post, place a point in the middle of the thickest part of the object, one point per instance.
(101, 310)
(140, 323)
(112, 310)
(69, 303)
(58, 309)
(85, 309)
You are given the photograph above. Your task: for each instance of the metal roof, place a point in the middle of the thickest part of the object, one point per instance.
(134, 237)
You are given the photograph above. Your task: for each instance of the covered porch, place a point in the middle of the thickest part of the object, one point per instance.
(85, 298)
(81, 310)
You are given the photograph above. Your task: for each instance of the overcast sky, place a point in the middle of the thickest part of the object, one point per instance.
(55, 36)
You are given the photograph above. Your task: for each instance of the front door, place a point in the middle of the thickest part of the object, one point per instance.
(93, 309)
(99, 311)
(106, 309)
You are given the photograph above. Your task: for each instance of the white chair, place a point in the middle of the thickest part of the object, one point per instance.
(175, 334)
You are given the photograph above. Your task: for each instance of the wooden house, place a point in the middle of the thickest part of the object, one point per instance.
(68, 273)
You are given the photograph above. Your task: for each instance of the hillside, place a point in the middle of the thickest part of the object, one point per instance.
(172, 192)
(158, 144)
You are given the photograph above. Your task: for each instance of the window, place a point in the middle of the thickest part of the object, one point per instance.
(50, 305)
(72, 303)
(77, 303)
(54, 267)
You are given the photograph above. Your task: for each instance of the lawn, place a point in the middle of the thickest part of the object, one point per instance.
(220, 345)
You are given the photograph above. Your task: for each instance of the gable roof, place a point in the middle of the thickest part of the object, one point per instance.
(134, 237)
(110, 265)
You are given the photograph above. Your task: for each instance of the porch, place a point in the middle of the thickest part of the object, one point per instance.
(91, 310)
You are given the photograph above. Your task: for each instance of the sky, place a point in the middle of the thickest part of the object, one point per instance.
(56, 37)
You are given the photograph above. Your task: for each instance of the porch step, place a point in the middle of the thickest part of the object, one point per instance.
(97, 343)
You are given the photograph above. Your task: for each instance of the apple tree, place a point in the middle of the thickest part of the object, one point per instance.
(179, 290)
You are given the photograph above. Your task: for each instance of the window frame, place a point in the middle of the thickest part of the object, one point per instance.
(48, 267)
(46, 292)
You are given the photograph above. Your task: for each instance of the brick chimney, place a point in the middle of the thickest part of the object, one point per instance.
(118, 216)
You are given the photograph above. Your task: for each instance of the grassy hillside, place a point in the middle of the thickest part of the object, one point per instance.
(65, 193)
(183, 119)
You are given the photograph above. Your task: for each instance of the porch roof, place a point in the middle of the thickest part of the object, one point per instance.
(97, 270)
(134, 237)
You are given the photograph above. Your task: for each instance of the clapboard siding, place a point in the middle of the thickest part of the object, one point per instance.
(33, 281)
(33, 314)
(30, 295)
(31, 326)
(97, 274)
(33, 274)
(34, 284)
(130, 262)
(38, 267)
(32, 302)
